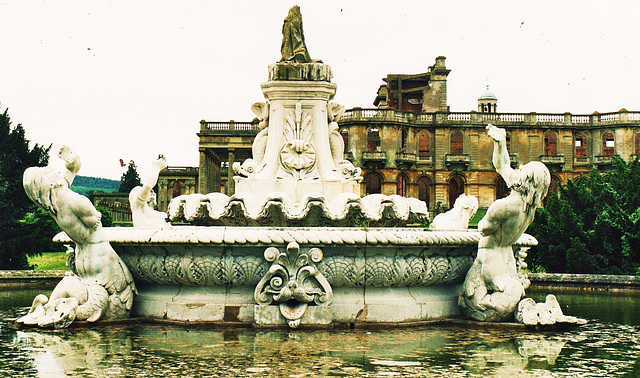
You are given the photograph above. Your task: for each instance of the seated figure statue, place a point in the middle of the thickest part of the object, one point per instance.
(142, 200)
(457, 218)
(102, 287)
(492, 287)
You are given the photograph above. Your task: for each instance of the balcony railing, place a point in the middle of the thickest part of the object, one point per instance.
(406, 157)
(405, 160)
(230, 126)
(552, 159)
(428, 159)
(555, 119)
(457, 161)
(581, 160)
(374, 156)
(601, 160)
(553, 162)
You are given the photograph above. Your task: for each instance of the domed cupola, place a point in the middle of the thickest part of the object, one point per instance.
(487, 102)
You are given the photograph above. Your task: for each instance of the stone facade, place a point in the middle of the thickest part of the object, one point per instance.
(423, 150)
(117, 204)
(175, 181)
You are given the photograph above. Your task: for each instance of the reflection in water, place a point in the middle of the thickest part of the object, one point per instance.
(154, 350)
(600, 348)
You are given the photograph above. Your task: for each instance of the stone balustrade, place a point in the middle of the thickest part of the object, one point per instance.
(457, 118)
(461, 118)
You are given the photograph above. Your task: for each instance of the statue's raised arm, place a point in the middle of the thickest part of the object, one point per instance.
(501, 159)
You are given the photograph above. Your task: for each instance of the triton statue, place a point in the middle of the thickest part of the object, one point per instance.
(102, 286)
(492, 288)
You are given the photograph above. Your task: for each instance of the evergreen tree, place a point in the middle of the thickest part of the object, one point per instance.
(130, 179)
(592, 226)
(18, 238)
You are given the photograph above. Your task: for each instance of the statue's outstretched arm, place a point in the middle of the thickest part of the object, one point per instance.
(152, 178)
(72, 163)
(501, 159)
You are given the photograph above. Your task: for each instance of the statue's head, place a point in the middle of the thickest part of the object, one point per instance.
(532, 182)
(467, 203)
(39, 182)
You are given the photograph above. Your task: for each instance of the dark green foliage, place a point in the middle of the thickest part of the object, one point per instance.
(107, 220)
(130, 179)
(591, 226)
(41, 228)
(15, 157)
(85, 185)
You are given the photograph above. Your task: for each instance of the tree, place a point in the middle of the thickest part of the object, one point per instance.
(16, 231)
(591, 226)
(130, 179)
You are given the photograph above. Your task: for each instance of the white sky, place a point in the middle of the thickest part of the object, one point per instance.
(129, 79)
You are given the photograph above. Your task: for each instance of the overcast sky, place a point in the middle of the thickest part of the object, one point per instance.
(132, 79)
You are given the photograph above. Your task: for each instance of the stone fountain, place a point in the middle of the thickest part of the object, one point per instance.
(297, 244)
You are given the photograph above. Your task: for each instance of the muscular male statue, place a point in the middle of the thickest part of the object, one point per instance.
(142, 199)
(492, 288)
(103, 287)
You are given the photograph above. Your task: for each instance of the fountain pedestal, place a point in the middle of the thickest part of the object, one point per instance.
(295, 153)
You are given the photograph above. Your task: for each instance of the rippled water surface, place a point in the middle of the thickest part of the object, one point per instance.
(609, 345)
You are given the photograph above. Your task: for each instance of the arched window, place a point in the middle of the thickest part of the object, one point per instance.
(456, 188)
(177, 189)
(345, 137)
(423, 144)
(637, 144)
(401, 185)
(550, 144)
(424, 189)
(373, 140)
(373, 183)
(404, 136)
(501, 188)
(608, 144)
(457, 145)
(581, 145)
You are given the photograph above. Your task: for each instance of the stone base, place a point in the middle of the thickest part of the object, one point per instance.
(202, 304)
(290, 71)
(296, 190)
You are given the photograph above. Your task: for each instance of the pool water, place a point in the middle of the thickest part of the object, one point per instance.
(608, 345)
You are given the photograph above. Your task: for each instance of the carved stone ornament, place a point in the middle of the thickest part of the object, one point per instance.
(293, 281)
(297, 154)
(252, 165)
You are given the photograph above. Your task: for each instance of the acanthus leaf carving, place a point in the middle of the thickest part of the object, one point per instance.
(293, 282)
(297, 154)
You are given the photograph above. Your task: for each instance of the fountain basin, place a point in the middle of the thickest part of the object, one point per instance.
(317, 276)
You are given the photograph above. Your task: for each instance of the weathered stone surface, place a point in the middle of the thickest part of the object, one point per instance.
(288, 71)
(494, 284)
(101, 287)
(547, 313)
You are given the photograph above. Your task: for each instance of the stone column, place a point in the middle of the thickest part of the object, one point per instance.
(230, 186)
(203, 173)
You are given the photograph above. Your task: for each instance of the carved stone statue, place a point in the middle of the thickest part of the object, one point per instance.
(544, 313)
(102, 287)
(293, 47)
(492, 288)
(142, 200)
(336, 143)
(249, 166)
(457, 218)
